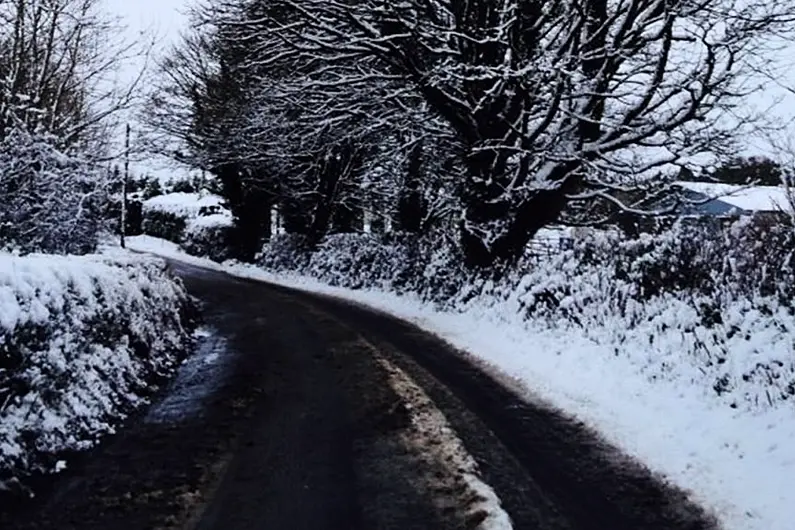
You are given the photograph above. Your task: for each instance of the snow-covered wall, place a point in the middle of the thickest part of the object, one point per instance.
(82, 340)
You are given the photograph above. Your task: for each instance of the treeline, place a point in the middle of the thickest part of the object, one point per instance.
(479, 121)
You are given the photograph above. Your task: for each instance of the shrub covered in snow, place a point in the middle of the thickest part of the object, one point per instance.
(714, 307)
(357, 261)
(400, 262)
(209, 236)
(198, 222)
(285, 252)
(706, 305)
(185, 205)
(165, 225)
(82, 340)
(50, 201)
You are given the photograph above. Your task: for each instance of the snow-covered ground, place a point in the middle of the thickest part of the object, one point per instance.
(738, 462)
(748, 198)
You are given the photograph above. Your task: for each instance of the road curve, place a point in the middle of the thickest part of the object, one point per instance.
(299, 426)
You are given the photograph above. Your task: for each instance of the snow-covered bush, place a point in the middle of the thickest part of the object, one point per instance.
(167, 216)
(356, 261)
(209, 236)
(50, 201)
(705, 305)
(83, 341)
(165, 225)
(401, 262)
(185, 205)
(285, 252)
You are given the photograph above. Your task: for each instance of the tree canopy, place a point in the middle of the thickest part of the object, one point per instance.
(490, 118)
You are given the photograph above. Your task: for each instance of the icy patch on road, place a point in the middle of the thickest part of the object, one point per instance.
(437, 442)
(199, 376)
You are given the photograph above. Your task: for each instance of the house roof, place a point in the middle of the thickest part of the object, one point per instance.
(747, 198)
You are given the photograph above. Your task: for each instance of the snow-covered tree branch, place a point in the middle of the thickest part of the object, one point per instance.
(551, 100)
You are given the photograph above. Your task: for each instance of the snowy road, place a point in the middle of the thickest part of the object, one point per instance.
(317, 413)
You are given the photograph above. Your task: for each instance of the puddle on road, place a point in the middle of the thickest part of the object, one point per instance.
(199, 376)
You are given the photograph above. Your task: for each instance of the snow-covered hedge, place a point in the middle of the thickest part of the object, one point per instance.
(167, 216)
(185, 205)
(50, 201)
(209, 236)
(82, 341)
(285, 252)
(709, 306)
(164, 225)
(396, 262)
(197, 221)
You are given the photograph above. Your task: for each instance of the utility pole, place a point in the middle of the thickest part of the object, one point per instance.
(124, 184)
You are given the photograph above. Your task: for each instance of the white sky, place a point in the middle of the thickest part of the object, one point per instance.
(145, 19)
(166, 19)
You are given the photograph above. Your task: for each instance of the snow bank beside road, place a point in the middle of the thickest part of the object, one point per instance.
(738, 462)
(81, 341)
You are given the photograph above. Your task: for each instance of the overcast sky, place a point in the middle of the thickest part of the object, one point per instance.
(166, 18)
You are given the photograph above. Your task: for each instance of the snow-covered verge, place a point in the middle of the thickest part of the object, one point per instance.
(677, 349)
(83, 341)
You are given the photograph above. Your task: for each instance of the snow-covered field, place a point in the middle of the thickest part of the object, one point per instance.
(737, 459)
(82, 339)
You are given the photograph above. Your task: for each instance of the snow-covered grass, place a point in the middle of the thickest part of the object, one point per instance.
(748, 198)
(696, 385)
(83, 341)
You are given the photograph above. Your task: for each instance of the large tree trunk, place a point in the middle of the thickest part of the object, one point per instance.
(250, 207)
(496, 228)
(324, 206)
(411, 207)
(334, 172)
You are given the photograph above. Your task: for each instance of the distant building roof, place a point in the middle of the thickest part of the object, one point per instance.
(744, 198)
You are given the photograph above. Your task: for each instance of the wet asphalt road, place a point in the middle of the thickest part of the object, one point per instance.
(271, 425)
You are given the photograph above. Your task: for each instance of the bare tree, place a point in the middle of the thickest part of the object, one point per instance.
(552, 102)
(303, 132)
(59, 67)
(60, 99)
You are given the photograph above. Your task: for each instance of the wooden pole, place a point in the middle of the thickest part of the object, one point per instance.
(124, 185)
